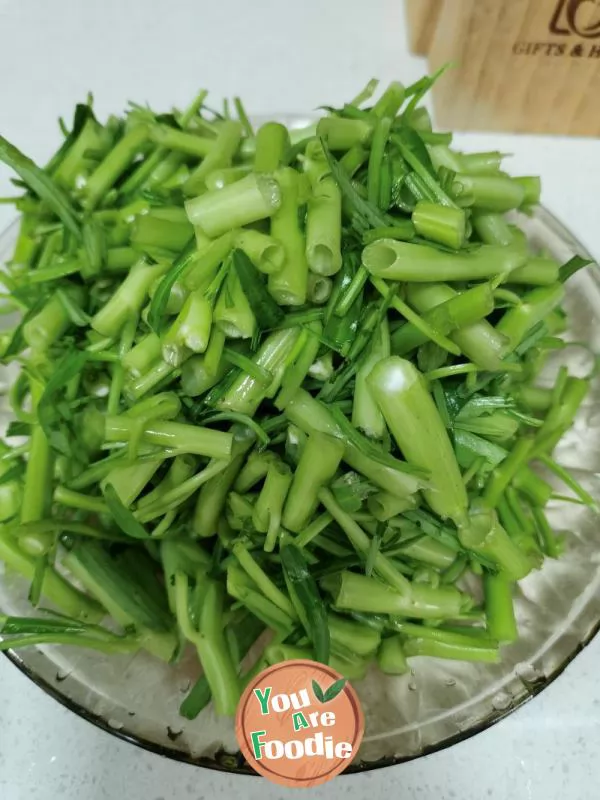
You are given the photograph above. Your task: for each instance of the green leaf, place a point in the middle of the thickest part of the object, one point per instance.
(17, 341)
(94, 247)
(35, 590)
(243, 419)
(49, 410)
(534, 335)
(372, 554)
(366, 93)
(415, 154)
(82, 114)
(369, 448)
(122, 515)
(13, 474)
(419, 89)
(38, 625)
(41, 184)
(77, 316)
(367, 214)
(341, 328)
(17, 428)
(318, 692)
(571, 482)
(158, 306)
(307, 600)
(266, 311)
(61, 526)
(351, 490)
(429, 524)
(334, 690)
(572, 266)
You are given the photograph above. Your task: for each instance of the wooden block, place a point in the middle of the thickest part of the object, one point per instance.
(523, 65)
(421, 18)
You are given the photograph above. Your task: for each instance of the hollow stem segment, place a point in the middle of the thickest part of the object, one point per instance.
(485, 536)
(54, 587)
(324, 228)
(365, 413)
(265, 252)
(37, 486)
(255, 197)
(272, 145)
(247, 392)
(488, 192)
(190, 331)
(442, 224)
(129, 297)
(114, 164)
(289, 285)
(476, 338)
(318, 463)
(342, 134)
(402, 261)
(499, 608)
(534, 307)
(311, 415)
(354, 592)
(175, 435)
(414, 421)
(219, 155)
(268, 509)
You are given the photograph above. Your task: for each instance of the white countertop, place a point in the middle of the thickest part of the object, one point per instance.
(279, 56)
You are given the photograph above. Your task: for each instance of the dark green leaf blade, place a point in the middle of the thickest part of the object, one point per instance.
(13, 474)
(266, 311)
(160, 299)
(572, 266)
(307, 599)
(35, 590)
(122, 515)
(17, 428)
(41, 184)
(17, 341)
(82, 113)
(369, 216)
(48, 408)
(352, 436)
(372, 554)
(415, 154)
(419, 89)
(19, 626)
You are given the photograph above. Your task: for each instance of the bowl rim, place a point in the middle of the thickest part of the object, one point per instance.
(222, 760)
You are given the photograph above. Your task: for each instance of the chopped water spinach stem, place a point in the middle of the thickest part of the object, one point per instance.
(280, 382)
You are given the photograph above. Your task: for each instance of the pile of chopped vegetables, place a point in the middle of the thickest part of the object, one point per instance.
(278, 380)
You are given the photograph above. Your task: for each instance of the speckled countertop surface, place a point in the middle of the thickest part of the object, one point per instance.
(280, 56)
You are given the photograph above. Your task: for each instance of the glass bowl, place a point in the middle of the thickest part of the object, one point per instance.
(440, 702)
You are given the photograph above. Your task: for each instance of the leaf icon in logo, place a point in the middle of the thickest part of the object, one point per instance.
(329, 694)
(335, 689)
(318, 692)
